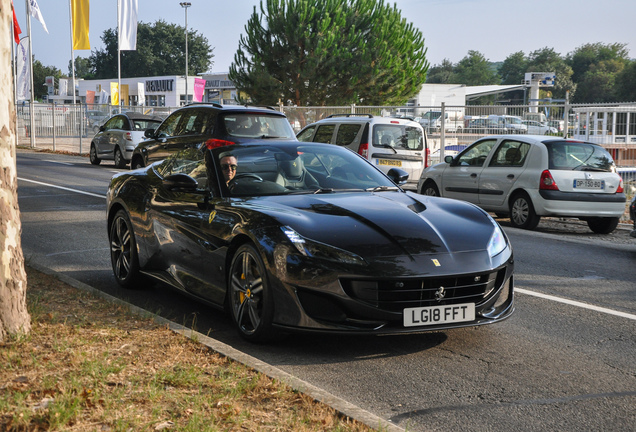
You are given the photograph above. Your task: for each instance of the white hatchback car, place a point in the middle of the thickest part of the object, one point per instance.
(529, 176)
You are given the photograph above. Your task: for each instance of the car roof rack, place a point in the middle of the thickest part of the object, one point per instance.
(261, 106)
(350, 115)
(204, 103)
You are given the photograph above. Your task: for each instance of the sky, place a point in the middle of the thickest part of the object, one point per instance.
(451, 28)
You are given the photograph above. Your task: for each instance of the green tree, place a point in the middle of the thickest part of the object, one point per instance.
(625, 89)
(474, 69)
(595, 70)
(598, 83)
(83, 68)
(513, 69)
(160, 51)
(40, 72)
(441, 74)
(582, 58)
(547, 60)
(331, 52)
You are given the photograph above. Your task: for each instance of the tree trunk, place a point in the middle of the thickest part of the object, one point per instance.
(14, 317)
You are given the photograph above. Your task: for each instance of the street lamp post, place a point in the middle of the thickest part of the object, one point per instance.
(186, 5)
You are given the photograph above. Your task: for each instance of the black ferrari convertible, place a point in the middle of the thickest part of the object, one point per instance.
(302, 236)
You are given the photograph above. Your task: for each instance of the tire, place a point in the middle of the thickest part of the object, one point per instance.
(430, 189)
(136, 163)
(93, 155)
(120, 162)
(250, 298)
(602, 225)
(522, 214)
(123, 251)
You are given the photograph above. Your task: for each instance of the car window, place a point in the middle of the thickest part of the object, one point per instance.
(169, 126)
(347, 133)
(476, 154)
(188, 161)
(116, 122)
(257, 125)
(398, 136)
(306, 134)
(510, 154)
(141, 125)
(195, 122)
(324, 133)
(569, 155)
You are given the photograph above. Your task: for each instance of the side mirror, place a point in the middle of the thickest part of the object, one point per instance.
(180, 181)
(149, 133)
(102, 128)
(398, 176)
(448, 159)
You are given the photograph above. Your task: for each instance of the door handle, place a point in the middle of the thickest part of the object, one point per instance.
(473, 175)
(511, 176)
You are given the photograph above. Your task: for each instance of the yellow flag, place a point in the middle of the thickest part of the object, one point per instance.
(114, 93)
(79, 9)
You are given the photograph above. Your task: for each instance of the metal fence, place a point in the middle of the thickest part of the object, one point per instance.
(70, 128)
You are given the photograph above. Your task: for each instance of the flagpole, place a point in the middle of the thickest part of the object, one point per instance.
(70, 11)
(118, 56)
(15, 79)
(31, 107)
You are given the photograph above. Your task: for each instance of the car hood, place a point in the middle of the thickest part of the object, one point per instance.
(383, 224)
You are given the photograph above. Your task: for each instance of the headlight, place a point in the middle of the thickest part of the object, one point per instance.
(497, 243)
(314, 249)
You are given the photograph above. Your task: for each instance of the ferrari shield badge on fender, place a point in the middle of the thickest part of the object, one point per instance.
(212, 215)
(436, 262)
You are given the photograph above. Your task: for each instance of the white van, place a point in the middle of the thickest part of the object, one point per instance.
(431, 121)
(385, 141)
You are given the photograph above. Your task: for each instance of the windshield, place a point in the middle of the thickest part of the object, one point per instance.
(296, 168)
(582, 156)
(258, 125)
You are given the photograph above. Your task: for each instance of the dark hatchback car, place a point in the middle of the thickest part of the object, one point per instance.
(307, 237)
(194, 124)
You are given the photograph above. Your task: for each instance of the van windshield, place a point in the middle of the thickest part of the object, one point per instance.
(398, 137)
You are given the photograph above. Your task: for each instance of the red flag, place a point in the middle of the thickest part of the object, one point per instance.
(16, 26)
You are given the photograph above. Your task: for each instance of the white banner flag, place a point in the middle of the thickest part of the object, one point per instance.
(141, 94)
(128, 25)
(35, 13)
(24, 77)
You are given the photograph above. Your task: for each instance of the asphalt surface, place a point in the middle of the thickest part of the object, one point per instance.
(555, 365)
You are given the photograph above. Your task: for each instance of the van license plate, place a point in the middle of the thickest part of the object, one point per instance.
(589, 184)
(389, 162)
(422, 316)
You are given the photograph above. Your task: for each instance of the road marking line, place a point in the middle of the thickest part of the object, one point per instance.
(576, 303)
(58, 162)
(62, 187)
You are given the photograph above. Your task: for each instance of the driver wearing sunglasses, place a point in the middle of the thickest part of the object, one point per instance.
(228, 167)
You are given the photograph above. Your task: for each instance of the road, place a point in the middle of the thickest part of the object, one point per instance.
(565, 361)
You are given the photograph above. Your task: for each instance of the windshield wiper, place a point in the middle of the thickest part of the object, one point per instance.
(271, 137)
(589, 168)
(382, 188)
(323, 190)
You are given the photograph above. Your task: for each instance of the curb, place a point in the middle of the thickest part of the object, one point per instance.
(340, 405)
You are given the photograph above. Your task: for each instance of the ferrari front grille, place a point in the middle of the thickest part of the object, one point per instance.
(397, 294)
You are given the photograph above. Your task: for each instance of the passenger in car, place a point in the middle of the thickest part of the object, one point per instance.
(229, 164)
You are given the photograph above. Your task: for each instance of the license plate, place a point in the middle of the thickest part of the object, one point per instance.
(389, 162)
(589, 184)
(432, 315)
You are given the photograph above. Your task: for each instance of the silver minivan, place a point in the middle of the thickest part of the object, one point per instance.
(386, 142)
